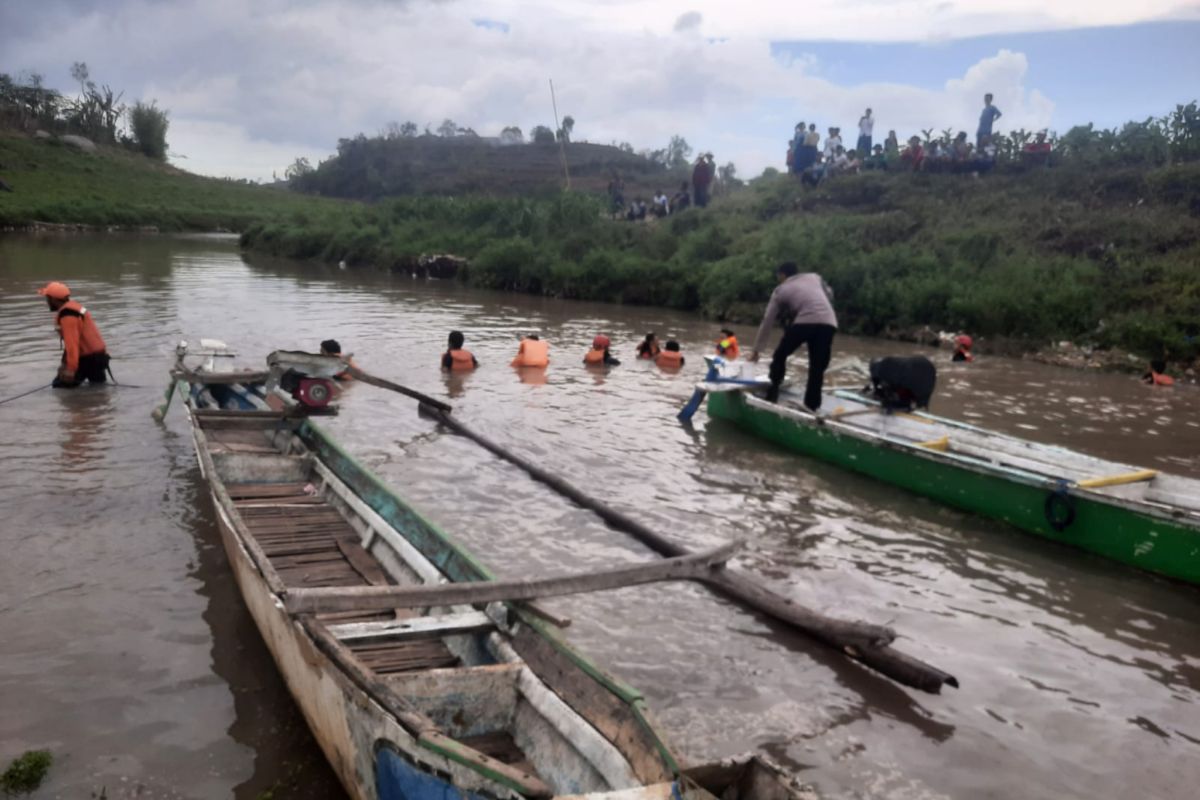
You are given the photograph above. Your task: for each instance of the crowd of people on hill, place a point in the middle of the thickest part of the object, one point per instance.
(814, 163)
(704, 172)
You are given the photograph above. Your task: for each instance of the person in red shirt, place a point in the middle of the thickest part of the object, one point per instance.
(85, 357)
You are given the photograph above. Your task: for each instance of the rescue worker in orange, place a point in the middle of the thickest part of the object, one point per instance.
(533, 352)
(456, 359)
(1157, 375)
(330, 347)
(727, 345)
(670, 357)
(962, 348)
(599, 355)
(85, 358)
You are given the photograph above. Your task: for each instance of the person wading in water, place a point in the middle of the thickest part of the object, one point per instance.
(85, 357)
(802, 304)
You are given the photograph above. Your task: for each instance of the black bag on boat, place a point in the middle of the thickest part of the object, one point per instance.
(902, 383)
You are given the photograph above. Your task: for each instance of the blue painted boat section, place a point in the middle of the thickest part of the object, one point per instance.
(396, 778)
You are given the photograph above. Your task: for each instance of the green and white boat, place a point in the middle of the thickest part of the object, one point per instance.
(1139, 516)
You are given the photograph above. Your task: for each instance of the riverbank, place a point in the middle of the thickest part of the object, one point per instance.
(1102, 259)
(55, 186)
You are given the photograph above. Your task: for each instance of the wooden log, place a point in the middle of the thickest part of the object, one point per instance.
(863, 641)
(366, 377)
(366, 598)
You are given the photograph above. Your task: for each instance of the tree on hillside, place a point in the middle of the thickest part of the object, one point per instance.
(678, 152)
(542, 135)
(408, 130)
(568, 125)
(728, 174)
(512, 135)
(79, 71)
(448, 128)
(624, 147)
(149, 123)
(391, 130)
(298, 169)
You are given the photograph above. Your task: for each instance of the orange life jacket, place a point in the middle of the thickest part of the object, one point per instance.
(594, 357)
(728, 347)
(79, 334)
(1158, 379)
(669, 359)
(533, 353)
(461, 360)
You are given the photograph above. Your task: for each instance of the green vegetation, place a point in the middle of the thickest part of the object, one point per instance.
(148, 123)
(1106, 256)
(26, 772)
(54, 182)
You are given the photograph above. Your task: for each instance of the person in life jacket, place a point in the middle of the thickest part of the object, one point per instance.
(727, 345)
(1156, 376)
(670, 357)
(330, 347)
(962, 348)
(456, 359)
(85, 357)
(649, 348)
(533, 352)
(599, 355)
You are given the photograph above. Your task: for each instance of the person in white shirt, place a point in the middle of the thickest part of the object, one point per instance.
(866, 127)
(662, 206)
(833, 143)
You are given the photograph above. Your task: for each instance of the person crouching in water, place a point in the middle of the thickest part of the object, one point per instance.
(962, 348)
(1157, 375)
(533, 352)
(649, 348)
(330, 347)
(727, 345)
(670, 357)
(802, 304)
(599, 355)
(456, 359)
(85, 357)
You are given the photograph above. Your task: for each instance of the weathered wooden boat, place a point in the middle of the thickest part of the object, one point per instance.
(414, 688)
(1141, 517)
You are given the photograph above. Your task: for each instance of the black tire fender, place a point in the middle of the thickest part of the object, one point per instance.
(1059, 509)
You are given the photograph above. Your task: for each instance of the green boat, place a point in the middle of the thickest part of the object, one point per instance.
(1141, 517)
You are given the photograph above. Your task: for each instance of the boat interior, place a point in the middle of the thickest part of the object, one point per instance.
(855, 413)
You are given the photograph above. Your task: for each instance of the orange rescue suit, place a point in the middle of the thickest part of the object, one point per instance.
(461, 360)
(1158, 379)
(80, 336)
(533, 353)
(728, 347)
(594, 357)
(669, 359)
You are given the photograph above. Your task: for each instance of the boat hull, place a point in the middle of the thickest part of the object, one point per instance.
(1149, 542)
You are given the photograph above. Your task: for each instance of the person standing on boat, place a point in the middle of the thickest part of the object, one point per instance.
(85, 357)
(802, 303)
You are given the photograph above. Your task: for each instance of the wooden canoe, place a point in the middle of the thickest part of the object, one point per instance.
(1139, 516)
(465, 701)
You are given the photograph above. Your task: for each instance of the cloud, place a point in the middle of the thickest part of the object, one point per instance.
(250, 88)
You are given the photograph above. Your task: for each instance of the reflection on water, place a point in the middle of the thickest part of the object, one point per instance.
(128, 652)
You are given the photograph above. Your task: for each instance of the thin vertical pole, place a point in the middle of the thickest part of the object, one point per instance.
(562, 146)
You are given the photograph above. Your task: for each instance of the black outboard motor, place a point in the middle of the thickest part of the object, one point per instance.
(901, 383)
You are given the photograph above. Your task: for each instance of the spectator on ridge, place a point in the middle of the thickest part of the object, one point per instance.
(866, 126)
(637, 210)
(988, 116)
(833, 143)
(681, 199)
(891, 145)
(1037, 152)
(914, 155)
(662, 206)
(877, 160)
(701, 180)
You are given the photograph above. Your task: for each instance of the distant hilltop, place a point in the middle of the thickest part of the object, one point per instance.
(370, 168)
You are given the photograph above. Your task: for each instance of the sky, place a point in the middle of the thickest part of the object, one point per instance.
(253, 84)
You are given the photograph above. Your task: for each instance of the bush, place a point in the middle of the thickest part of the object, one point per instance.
(149, 123)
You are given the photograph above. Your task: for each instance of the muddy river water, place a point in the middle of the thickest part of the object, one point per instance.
(125, 650)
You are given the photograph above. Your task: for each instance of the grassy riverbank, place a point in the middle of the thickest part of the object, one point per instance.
(55, 183)
(1100, 256)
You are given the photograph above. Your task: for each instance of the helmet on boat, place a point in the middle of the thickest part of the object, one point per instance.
(55, 291)
(600, 342)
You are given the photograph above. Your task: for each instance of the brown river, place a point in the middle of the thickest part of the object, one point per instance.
(125, 649)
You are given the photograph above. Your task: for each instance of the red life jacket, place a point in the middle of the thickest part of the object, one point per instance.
(533, 353)
(669, 359)
(1158, 379)
(461, 360)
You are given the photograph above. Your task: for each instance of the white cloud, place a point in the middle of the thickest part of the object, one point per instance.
(224, 150)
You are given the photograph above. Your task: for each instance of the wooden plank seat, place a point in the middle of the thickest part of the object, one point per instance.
(392, 656)
(500, 746)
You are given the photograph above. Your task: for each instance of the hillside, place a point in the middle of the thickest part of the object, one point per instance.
(1104, 256)
(435, 165)
(56, 183)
